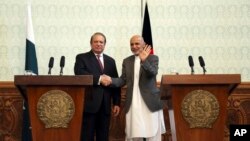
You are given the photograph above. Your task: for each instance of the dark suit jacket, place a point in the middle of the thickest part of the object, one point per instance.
(147, 82)
(87, 64)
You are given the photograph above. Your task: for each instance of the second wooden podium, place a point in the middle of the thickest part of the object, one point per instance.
(55, 105)
(199, 104)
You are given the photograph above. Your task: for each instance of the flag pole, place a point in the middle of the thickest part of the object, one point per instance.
(142, 12)
(141, 9)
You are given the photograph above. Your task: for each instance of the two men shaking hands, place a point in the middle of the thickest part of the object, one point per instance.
(106, 80)
(142, 53)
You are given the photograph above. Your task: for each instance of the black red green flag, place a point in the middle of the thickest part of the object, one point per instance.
(146, 29)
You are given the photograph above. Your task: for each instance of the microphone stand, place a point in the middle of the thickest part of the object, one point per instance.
(204, 70)
(192, 70)
(61, 71)
(49, 71)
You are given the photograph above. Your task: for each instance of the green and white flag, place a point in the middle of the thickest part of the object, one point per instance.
(30, 58)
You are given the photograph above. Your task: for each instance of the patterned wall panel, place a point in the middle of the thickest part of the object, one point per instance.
(217, 30)
(11, 104)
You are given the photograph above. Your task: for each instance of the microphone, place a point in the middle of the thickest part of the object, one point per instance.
(62, 63)
(202, 63)
(191, 64)
(51, 63)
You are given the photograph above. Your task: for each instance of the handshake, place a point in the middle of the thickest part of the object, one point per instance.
(105, 80)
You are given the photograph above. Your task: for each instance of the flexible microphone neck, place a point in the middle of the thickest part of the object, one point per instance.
(49, 71)
(204, 70)
(192, 70)
(61, 71)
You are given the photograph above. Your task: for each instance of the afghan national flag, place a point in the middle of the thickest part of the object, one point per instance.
(30, 58)
(146, 29)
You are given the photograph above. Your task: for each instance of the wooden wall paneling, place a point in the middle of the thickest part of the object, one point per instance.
(238, 107)
(11, 104)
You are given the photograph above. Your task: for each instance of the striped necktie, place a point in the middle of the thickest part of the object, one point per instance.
(99, 61)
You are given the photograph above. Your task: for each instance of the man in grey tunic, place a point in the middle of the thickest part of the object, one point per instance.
(143, 107)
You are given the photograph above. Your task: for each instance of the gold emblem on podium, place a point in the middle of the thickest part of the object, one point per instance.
(55, 109)
(200, 109)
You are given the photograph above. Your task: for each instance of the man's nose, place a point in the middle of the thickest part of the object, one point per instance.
(133, 46)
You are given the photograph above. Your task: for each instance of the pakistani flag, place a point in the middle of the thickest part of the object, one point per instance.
(30, 64)
(30, 58)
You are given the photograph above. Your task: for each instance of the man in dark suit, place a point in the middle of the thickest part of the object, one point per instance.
(143, 107)
(97, 110)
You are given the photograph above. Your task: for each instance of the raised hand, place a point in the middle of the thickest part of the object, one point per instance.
(106, 80)
(145, 52)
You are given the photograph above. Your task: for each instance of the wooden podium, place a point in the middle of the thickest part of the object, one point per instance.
(55, 105)
(198, 104)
